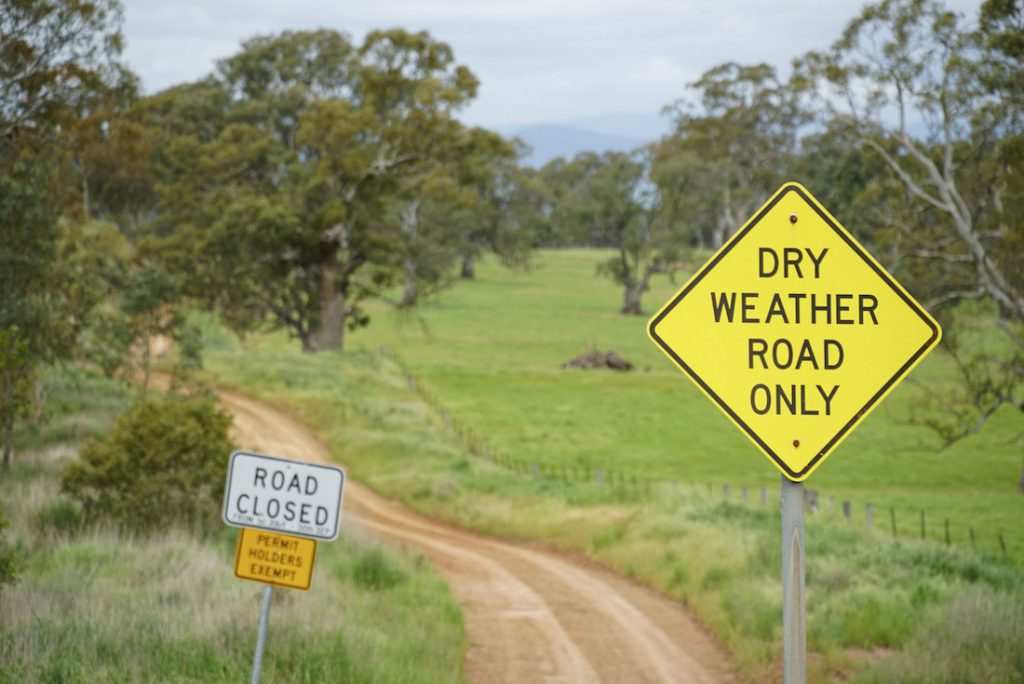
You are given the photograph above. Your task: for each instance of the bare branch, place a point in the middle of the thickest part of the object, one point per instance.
(909, 182)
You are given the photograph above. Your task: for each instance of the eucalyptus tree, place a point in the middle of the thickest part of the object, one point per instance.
(733, 141)
(456, 203)
(611, 202)
(54, 55)
(486, 169)
(905, 77)
(938, 102)
(278, 211)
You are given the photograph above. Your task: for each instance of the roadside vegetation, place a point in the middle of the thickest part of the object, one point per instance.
(311, 186)
(98, 598)
(491, 352)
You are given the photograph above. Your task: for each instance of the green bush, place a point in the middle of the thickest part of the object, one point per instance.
(163, 464)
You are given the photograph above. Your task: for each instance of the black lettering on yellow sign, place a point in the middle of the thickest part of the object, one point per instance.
(275, 558)
(815, 332)
(793, 308)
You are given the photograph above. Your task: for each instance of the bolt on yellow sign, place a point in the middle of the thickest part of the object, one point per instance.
(794, 331)
(274, 558)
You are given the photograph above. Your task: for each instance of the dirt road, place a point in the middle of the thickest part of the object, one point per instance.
(531, 615)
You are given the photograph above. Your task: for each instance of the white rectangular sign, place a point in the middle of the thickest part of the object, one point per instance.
(277, 494)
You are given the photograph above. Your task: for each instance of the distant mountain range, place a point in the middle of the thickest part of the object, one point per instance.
(608, 132)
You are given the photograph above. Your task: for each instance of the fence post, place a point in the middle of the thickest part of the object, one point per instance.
(892, 516)
(922, 524)
(725, 492)
(846, 510)
(869, 515)
(764, 496)
(598, 476)
(533, 469)
(974, 545)
(743, 493)
(1002, 543)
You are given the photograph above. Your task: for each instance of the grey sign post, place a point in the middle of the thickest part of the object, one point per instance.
(794, 616)
(261, 636)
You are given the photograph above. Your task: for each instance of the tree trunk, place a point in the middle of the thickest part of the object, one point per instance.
(8, 442)
(410, 224)
(410, 289)
(86, 209)
(329, 333)
(631, 303)
(8, 421)
(145, 368)
(468, 266)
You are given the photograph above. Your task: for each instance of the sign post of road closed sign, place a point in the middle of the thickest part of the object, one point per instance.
(279, 495)
(796, 333)
(283, 508)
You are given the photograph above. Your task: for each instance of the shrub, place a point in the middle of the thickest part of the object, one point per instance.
(163, 464)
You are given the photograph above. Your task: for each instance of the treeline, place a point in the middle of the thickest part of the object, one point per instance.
(309, 173)
(908, 128)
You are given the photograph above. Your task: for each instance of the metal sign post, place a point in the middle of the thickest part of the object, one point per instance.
(794, 613)
(261, 637)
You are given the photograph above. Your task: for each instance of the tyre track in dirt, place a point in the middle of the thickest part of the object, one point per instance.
(531, 615)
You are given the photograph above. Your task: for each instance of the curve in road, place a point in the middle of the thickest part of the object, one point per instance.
(531, 615)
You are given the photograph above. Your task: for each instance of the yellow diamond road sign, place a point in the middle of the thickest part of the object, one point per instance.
(794, 331)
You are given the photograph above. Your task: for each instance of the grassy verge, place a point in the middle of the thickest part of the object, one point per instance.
(867, 595)
(92, 605)
(491, 349)
(490, 352)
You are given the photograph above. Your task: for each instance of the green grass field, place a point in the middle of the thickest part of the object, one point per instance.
(488, 353)
(492, 348)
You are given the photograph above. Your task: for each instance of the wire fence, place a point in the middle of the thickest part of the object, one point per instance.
(897, 524)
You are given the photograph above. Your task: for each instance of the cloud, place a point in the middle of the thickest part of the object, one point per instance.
(537, 59)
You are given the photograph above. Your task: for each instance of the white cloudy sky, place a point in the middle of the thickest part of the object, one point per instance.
(538, 60)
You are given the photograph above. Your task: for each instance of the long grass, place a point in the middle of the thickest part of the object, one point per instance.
(91, 605)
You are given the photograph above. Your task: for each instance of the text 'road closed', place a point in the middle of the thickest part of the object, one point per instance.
(291, 497)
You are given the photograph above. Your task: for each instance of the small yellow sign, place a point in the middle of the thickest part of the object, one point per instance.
(794, 331)
(275, 558)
